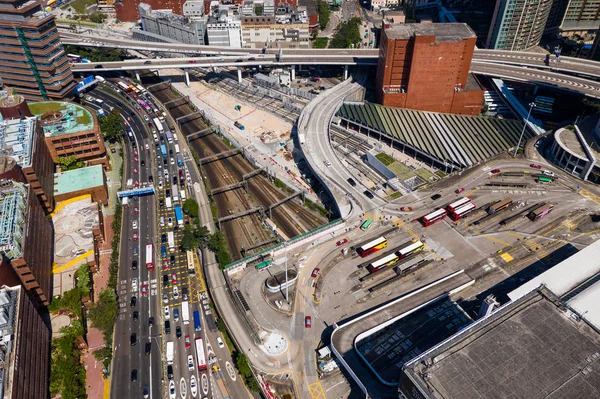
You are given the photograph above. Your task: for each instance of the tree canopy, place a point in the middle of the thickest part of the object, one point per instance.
(324, 13)
(191, 207)
(69, 163)
(112, 126)
(97, 17)
(348, 33)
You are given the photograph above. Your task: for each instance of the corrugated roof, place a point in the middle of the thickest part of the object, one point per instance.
(460, 140)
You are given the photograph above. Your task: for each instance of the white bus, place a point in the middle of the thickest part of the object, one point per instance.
(123, 87)
(185, 312)
(190, 262)
(168, 202)
(158, 125)
(171, 239)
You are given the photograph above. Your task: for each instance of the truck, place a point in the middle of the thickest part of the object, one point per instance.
(163, 150)
(175, 192)
(176, 148)
(171, 239)
(185, 312)
(197, 326)
(179, 216)
(239, 125)
(168, 203)
(170, 348)
(129, 183)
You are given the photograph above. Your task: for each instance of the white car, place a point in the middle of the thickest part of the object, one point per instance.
(327, 163)
(134, 285)
(220, 343)
(172, 389)
(166, 173)
(135, 224)
(167, 313)
(165, 298)
(193, 386)
(170, 222)
(146, 118)
(160, 186)
(155, 137)
(190, 362)
(175, 292)
(172, 161)
(162, 221)
(548, 173)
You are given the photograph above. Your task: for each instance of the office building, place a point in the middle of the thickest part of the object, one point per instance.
(128, 10)
(426, 67)
(32, 58)
(518, 24)
(24, 347)
(288, 31)
(569, 17)
(194, 9)
(26, 239)
(224, 28)
(175, 28)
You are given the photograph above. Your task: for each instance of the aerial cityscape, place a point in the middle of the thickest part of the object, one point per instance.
(300, 199)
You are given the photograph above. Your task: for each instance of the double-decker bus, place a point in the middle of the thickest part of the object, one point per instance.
(457, 204)
(462, 211)
(366, 224)
(373, 246)
(540, 211)
(200, 358)
(500, 205)
(190, 262)
(123, 87)
(411, 249)
(169, 136)
(433, 217)
(263, 265)
(544, 179)
(149, 257)
(158, 125)
(383, 263)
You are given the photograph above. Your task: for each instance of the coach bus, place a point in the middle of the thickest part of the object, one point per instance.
(158, 125)
(190, 262)
(457, 204)
(540, 211)
(134, 89)
(500, 205)
(373, 246)
(200, 359)
(149, 257)
(462, 211)
(263, 265)
(433, 217)
(366, 224)
(383, 263)
(123, 87)
(140, 88)
(411, 249)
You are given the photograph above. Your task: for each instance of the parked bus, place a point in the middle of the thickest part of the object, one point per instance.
(185, 312)
(383, 263)
(462, 211)
(169, 136)
(540, 211)
(197, 326)
(140, 88)
(457, 204)
(433, 217)
(158, 125)
(544, 179)
(263, 265)
(171, 240)
(149, 257)
(123, 87)
(372, 246)
(411, 249)
(500, 205)
(190, 262)
(168, 203)
(366, 224)
(200, 359)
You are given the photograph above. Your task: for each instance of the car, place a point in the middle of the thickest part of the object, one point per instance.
(184, 293)
(134, 265)
(136, 183)
(135, 236)
(133, 375)
(170, 222)
(352, 182)
(548, 173)
(136, 210)
(163, 238)
(134, 224)
(135, 315)
(193, 386)
(459, 190)
(175, 292)
(167, 327)
(160, 186)
(220, 343)
(150, 321)
(165, 264)
(315, 272)
(134, 251)
(147, 62)
(327, 163)
(252, 59)
(192, 61)
(146, 392)
(495, 171)
(220, 60)
(165, 280)
(239, 60)
(190, 362)
(134, 284)
(170, 372)
(175, 314)
(341, 242)
(166, 174)
(307, 322)
(133, 339)
(148, 348)
(172, 394)
(135, 170)
(174, 278)
(172, 260)
(133, 301)
(180, 173)
(142, 162)
(165, 298)
(144, 289)
(146, 118)
(151, 179)
(368, 194)
(165, 161)
(436, 196)
(181, 183)
(172, 161)
(174, 179)
(406, 209)
(167, 313)
(178, 332)
(187, 341)
(536, 166)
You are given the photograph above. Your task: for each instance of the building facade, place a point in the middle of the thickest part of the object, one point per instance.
(32, 58)
(426, 67)
(518, 24)
(175, 27)
(256, 31)
(224, 29)
(574, 16)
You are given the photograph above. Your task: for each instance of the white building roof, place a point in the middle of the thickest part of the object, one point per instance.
(586, 305)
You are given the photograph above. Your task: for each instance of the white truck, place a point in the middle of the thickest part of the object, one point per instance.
(170, 348)
(185, 312)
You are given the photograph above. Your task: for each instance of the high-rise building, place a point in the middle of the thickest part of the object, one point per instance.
(518, 24)
(163, 25)
(574, 16)
(32, 58)
(24, 347)
(426, 67)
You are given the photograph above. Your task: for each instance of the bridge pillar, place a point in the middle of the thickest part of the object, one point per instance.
(187, 78)
(293, 69)
(137, 76)
(345, 72)
(239, 71)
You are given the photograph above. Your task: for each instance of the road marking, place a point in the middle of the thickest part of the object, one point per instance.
(496, 240)
(590, 196)
(316, 391)
(230, 371)
(506, 256)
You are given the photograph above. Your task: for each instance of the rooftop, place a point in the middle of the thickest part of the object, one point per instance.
(530, 348)
(13, 207)
(59, 118)
(16, 139)
(446, 32)
(570, 141)
(78, 179)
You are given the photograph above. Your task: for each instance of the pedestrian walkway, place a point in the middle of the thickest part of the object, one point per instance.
(113, 178)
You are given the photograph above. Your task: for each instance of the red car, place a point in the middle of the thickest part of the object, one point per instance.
(165, 264)
(174, 278)
(315, 272)
(180, 174)
(459, 190)
(496, 171)
(192, 61)
(341, 242)
(406, 209)
(144, 289)
(187, 341)
(135, 236)
(136, 184)
(136, 210)
(307, 322)
(535, 166)
(135, 171)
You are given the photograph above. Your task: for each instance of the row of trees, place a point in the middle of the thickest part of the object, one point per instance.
(95, 54)
(112, 127)
(69, 163)
(348, 34)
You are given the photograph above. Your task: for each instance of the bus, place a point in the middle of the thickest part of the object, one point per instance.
(149, 257)
(145, 106)
(158, 125)
(171, 240)
(373, 246)
(200, 359)
(176, 148)
(411, 249)
(185, 312)
(540, 211)
(197, 326)
(366, 224)
(544, 179)
(74, 57)
(462, 211)
(500, 205)
(457, 204)
(140, 88)
(190, 262)
(433, 217)
(169, 136)
(175, 193)
(383, 263)
(123, 87)
(263, 265)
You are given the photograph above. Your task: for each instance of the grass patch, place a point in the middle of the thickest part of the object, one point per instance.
(385, 158)
(395, 195)
(440, 174)
(80, 5)
(76, 22)
(424, 174)
(320, 42)
(83, 116)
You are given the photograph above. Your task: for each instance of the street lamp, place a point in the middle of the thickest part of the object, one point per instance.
(531, 106)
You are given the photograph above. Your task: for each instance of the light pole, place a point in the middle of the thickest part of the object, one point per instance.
(531, 106)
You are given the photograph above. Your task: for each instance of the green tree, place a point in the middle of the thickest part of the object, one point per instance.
(320, 42)
(190, 207)
(83, 279)
(69, 163)
(112, 127)
(258, 10)
(324, 13)
(217, 244)
(97, 17)
(348, 33)
(104, 313)
(96, 54)
(189, 241)
(201, 233)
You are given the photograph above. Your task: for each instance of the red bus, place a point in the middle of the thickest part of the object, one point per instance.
(372, 246)
(149, 257)
(462, 211)
(200, 358)
(457, 204)
(433, 217)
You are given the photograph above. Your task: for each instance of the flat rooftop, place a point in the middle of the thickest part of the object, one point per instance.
(570, 141)
(58, 118)
(16, 139)
(78, 179)
(531, 348)
(444, 32)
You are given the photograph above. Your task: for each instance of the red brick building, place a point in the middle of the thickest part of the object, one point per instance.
(128, 10)
(426, 67)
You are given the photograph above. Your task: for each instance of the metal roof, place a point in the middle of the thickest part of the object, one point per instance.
(460, 140)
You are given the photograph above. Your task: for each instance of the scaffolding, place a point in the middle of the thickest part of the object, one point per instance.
(13, 199)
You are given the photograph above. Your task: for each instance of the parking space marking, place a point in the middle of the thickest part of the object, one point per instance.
(590, 196)
(495, 240)
(316, 391)
(506, 257)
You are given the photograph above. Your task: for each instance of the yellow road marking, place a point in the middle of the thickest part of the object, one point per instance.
(590, 196)
(78, 259)
(506, 256)
(62, 204)
(496, 240)
(316, 391)
(471, 192)
(519, 236)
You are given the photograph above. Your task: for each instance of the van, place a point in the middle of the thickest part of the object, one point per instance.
(163, 251)
(167, 327)
(548, 173)
(436, 196)
(162, 221)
